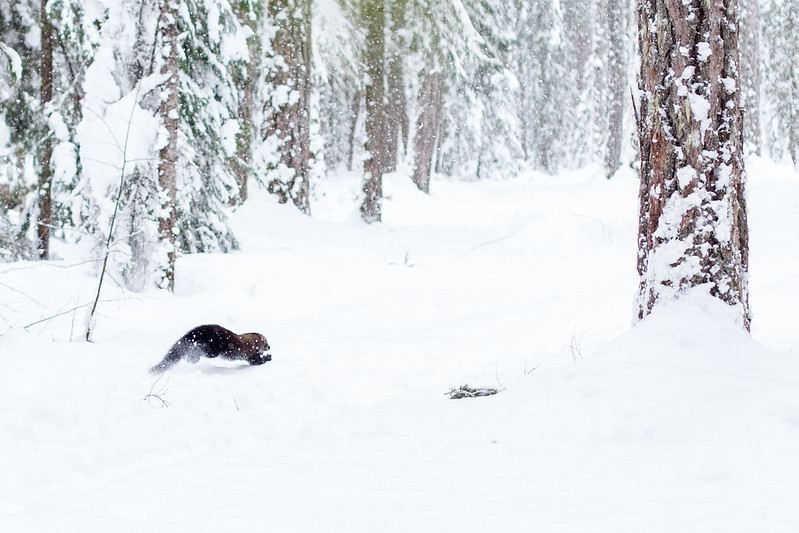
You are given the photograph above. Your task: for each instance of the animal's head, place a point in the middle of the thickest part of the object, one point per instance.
(255, 341)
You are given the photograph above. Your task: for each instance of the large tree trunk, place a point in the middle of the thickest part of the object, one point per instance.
(374, 56)
(693, 231)
(291, 121)
(169, 111)
(45, 173)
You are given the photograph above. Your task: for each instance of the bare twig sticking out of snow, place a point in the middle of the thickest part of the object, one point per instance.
(159, 395)
(90, 319)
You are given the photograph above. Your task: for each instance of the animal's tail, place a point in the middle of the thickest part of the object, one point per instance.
(171, 357)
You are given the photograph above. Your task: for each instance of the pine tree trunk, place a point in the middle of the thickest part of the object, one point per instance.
(45, 173)
(354, 112)
(397, 113)
(616, 82)
(291, 122)
(246, 110)
(427, 126)
(374, 55)
(692, 229)
(169, 111)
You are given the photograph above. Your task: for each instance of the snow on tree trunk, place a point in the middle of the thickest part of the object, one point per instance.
(692, 229)
(46, 154)
(374, 58)
(290, 122)
(168, 156)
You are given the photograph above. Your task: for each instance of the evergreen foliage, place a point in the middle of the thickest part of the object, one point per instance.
(279, 93)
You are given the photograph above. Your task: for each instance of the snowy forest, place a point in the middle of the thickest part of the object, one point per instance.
(158, 118)
(487, 265)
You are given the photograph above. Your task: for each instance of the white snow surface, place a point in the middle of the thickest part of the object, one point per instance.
(681, 423)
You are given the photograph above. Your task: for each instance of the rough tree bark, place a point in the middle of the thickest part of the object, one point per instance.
(374, 57)
(693, 230)
(291, 119)
(45, 173)
(168, 156)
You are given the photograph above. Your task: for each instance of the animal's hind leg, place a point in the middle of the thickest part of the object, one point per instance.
(193, 355)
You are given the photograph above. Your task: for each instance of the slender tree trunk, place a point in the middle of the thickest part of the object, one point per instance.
(245, 113)
(169, 111)
(427, 126)
(616, 82)
(374, 166)
(750, 73)
(793, 114)
(354, 112)
(693, 230)
(397, 122)
(46, 173)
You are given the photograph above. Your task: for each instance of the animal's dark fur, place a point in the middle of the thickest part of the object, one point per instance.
(215, 341)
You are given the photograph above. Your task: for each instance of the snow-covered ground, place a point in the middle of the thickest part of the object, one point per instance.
(682, 423)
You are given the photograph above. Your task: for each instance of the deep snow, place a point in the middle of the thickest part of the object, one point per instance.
(682, 423)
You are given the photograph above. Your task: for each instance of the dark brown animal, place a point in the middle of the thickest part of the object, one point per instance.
(215, 341)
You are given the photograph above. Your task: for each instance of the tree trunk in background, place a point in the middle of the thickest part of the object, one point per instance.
(246, 110)
(245, 136)
(374, 58)
(45, 172)
(354, 112)
(291, 121)
(692, 229)
(169, 112)
(616, 82)
(397, 113)
(749, 44)
(780, 77)
(427, 126)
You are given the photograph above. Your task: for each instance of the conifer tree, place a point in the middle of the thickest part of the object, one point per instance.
(749, 44)
(543, 77)
(693, 232)
(499, 144)
(616, 83)
(338, 40)
(397, 121)
(45, 186)
(374, 18)
(170, 113)
(288, 102)
(781, 78)
(245, 77)
(20, 120)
